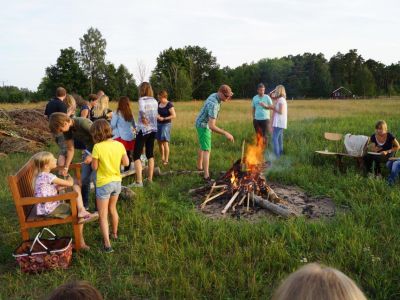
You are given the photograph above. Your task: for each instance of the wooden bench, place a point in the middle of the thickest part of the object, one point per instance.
(339, 153)
(21, 186)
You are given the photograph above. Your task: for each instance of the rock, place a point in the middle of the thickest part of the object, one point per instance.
(127, 194)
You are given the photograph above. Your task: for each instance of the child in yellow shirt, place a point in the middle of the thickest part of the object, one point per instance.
(108, 155)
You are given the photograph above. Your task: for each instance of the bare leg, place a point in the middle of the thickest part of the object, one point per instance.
(102, 206)
(160, 146)
(138, 169)
(83, 244)
(166, 151)
(79, 202)
(200, 159)
(206, 163)
(151, 169)
(112, 207)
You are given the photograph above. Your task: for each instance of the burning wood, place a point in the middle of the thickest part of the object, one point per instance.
(245, 180)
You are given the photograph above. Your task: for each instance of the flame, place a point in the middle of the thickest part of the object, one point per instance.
(234, 180)
(255, 152)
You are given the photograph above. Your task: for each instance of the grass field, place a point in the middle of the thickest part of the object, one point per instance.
(167, 250)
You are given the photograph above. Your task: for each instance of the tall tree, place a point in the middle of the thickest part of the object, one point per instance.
(364, 82)
(93, 52)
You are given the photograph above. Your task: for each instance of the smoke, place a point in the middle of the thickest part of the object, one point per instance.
(276, 164)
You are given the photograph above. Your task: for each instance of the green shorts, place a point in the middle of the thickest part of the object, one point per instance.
(204, 135)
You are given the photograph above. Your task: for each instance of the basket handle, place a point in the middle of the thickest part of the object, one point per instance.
(37, 239)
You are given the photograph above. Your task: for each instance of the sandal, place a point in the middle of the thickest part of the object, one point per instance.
(165, 163)
(88, 218)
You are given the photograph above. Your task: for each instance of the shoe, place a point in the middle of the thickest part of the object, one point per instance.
(108, 249)
(135, 185)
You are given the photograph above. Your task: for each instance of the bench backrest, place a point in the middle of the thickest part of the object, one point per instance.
(21, 185)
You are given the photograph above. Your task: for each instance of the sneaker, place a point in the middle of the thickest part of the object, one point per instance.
(108, 249)
(135, 185)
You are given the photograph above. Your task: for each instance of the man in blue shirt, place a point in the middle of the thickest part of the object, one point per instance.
(261, 105)
(206, 122)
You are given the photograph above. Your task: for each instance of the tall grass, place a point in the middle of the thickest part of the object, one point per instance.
(168, 250)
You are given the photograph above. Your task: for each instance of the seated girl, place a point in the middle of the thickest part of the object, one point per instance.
(47, 184)
(384, 144)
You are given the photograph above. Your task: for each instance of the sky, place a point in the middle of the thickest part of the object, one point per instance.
(236, 32)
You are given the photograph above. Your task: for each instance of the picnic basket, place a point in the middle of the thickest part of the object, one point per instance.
(41, 254)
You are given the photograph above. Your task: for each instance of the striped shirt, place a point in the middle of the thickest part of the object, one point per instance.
(209, 110)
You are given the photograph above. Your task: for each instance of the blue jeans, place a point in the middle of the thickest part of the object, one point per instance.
(394, 167)
(87, 175)
(277, 140)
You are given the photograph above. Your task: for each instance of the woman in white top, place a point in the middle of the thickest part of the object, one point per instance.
(279, 119)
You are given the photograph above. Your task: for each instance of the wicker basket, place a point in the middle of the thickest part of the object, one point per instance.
(40, 254)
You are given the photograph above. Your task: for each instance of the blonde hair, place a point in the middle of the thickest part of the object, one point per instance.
(40, 160)
(57, 120)
(280, 91)
(71, 104)
(314, 282)
(381, 124)
(101, 106)
(145, 90)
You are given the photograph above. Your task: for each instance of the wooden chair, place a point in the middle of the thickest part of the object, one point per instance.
(22, 191)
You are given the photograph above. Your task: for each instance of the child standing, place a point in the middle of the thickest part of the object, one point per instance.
(280, 120)
(107, 157)
(123, 126)
(47, 184)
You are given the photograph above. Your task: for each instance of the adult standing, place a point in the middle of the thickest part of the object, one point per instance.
(206, 123)
(88, 106)
(166, 112)
(101, 109)
(261, 106)
(279, 119)
(146, 132)
(76, 129)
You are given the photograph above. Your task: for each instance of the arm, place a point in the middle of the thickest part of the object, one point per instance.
(124, 160)
(84, 113)
(213, 127)
(395, 147)
(95, 164)
(171, 116)
(70, 156)
(64, 182)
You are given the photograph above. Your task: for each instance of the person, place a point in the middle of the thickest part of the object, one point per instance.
(315, 282)
(166, 112)
(146, 132)
(123, 126)
(70, 102)
(75, 290)
(47, 184)
(100, 94)
(394, 168)
(108, 156)
(384, 144)
(57, 104)
(261, 106)
(279, 119)
(101, 110)
(88, 106)
(77, 129)
(206, 123)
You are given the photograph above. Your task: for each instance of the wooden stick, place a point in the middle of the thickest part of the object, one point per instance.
(242, 159)
(230, 203)
(276, 209)
(248, 200)
(211, 190)
(212, 198)
(241, 200)
(220, 186)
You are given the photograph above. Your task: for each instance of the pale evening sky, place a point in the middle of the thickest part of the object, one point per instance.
(33, 32)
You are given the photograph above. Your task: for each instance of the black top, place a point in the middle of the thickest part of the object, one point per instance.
(55, 105)
(103, 116)
(80, 131)
(164, 112)
(388, 143)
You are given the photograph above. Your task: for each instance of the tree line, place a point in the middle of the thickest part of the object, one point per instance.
(192, 72)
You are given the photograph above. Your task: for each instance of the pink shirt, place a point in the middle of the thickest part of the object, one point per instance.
(45, 188)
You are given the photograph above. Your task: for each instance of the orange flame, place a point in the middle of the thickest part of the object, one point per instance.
(255, 152)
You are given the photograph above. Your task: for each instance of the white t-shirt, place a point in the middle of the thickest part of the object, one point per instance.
(280, 120)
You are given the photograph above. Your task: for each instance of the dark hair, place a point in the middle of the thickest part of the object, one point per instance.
(57, 120)
(260, 86)
(163, 94)
(61, 92)
(101, 131)
(125, 109)
(93, 97)
(76, 290)
(145, 90)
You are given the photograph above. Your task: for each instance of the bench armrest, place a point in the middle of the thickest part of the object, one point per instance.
(35, 200)
(76, 166)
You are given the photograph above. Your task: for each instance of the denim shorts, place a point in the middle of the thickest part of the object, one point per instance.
(110, 189)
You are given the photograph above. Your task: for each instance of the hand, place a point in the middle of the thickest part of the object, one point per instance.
(64, 172)
(88, 160)
(384, 153)
(229, 137)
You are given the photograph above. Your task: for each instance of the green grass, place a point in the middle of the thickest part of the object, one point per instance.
(168, 250)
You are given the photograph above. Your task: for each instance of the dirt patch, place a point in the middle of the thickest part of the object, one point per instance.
(23, 130)
(297, 200)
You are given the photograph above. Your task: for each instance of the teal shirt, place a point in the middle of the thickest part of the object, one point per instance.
(261, 113)
(209, 110)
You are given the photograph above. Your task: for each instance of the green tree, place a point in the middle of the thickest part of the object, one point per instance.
(364, 82)
(93, 52)
(66, 73)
